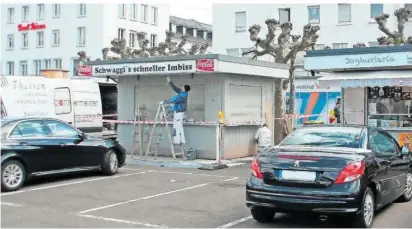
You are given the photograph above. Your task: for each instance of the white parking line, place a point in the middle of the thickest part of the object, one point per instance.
(11, 204)
(156, 195)
(122, 221)
(71, 183)
(231, 224)
(186, 173)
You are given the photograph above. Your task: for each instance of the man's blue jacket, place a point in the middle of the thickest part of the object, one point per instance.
(179, 100)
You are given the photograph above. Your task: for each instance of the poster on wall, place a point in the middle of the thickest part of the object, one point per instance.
(405, 139)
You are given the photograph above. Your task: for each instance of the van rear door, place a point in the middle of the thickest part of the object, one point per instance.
(63, 104)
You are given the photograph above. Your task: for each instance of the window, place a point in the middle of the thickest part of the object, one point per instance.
(40, 11)
(376, 10)
(82, 10)
(284, 15)
(81, 36)
(23, 68)
(28, 129)
(340, 45)
(314, 14)
(319, 47)
(344, 13)
(373, 44)
(56, 10)
(37, 67)
(10, 68)
(132, 38)
(382, 145)
(24, 40)
(409, 6)
(57, 63)
(56, 37)
(240, 20)
(122, 10)
(153, 40)
(133, 11)
(10, 15)
(40, 39)
(154, 15)
(59, 129)
(47, 64)
(120, 33)
(25, 13)
(325, 137)
(10, 41)
(145, 13)
(232, 52)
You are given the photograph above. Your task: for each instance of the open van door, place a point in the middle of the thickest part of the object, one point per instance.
(63, 104)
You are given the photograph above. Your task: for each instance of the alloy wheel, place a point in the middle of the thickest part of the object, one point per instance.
(368, 210)
(408, 186)
(13, 175)
(113, 161)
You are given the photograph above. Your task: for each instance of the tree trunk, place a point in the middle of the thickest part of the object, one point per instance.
(279, 132)
(292, 86)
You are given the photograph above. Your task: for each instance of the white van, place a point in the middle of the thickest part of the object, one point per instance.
(79, 102)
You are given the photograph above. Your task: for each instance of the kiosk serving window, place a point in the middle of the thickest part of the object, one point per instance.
(389, 107)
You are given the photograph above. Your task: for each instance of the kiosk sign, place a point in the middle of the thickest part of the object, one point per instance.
(186, 66)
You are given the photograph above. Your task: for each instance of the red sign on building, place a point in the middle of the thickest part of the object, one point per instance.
(32, 26)
(205, 65)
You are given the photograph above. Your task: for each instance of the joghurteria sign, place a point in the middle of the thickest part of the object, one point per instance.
(357, 61)
(187, 66)
(369, 60)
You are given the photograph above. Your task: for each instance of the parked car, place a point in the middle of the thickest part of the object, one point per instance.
(43, 146)
(338, 170)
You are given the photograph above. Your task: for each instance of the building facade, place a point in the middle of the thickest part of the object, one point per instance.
(342, 25)
(41, 36)
(197, 32)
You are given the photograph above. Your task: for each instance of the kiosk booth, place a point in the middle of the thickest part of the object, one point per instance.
(241, 89)
(376, 84)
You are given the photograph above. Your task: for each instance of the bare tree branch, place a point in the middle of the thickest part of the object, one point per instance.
(396, 37)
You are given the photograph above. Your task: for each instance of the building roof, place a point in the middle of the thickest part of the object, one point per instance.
(190, 23)
(224, 58)
(358, 51)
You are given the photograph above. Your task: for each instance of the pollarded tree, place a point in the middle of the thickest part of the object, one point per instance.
(396, 37)
(284, 50)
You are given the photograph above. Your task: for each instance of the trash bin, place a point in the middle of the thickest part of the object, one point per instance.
(190, 154)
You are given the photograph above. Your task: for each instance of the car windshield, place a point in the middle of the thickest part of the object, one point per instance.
(325, 137)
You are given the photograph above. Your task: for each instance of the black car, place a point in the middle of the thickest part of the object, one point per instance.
(330, 171)
(43, 146)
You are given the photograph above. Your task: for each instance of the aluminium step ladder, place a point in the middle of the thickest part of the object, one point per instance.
(162, 119)
(140, 131)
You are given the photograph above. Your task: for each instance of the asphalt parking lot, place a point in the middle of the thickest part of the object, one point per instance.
(152, 197)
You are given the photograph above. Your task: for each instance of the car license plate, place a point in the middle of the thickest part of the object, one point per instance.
(297, 175)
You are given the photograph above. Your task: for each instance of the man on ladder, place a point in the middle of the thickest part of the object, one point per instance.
(179, 102)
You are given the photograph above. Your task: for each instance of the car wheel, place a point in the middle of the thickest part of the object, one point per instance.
(407, 196)
(367, 214)
(110, 163)
(13, 175)
(262, 215)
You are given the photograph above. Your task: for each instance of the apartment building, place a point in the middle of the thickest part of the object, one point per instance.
(342, 25)
(40, 36)
(197, 32)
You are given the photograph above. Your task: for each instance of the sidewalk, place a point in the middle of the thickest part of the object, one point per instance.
(163, 161)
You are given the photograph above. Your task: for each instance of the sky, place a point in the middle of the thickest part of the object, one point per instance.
(201, 12)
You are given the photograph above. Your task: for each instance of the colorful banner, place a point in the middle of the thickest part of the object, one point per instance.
(405, 139)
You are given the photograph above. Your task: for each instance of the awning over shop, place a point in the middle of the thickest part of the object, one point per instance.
(366, 79)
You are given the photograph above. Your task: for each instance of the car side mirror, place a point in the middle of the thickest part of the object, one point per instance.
(405, 151)
(82, 136)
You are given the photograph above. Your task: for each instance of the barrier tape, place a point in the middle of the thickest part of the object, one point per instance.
(227, 122)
